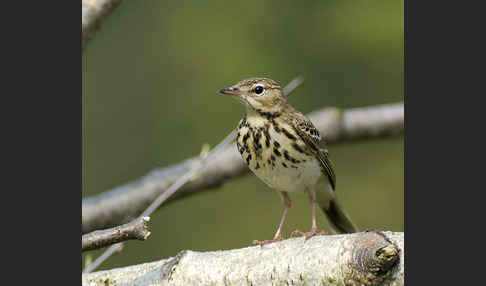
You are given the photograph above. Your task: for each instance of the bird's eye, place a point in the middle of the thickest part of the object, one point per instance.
(259, 89)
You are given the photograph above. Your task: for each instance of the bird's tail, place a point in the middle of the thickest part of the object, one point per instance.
(338, 219)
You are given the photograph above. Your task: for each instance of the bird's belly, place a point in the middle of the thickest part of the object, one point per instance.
(270, 152)
(293, 178)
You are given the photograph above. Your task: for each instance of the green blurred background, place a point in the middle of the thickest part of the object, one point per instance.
(150, 81)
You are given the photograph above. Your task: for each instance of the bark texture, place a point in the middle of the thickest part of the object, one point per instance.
(365, 258)
(136, 229)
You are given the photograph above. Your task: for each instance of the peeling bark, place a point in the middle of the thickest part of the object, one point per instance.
(365, 258)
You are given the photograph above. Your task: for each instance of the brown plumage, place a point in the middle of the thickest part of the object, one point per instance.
(284, 149)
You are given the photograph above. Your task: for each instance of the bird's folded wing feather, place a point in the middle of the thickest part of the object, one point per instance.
(309, 134)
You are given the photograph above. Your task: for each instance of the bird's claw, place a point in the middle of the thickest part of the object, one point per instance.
(309, 234)
(262, 243)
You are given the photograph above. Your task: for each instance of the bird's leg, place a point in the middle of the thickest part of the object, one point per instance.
(314, 223)
(278, 237)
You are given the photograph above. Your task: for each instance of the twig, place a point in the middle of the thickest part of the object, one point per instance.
(187, 176)
(92, 13)
(201, 163)
(195, 168)
(109, 252)
(197, 164)
(123, 203)
(365, 258)
(293, 84)
(136, 229)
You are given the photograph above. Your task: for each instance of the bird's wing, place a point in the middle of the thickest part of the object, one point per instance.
(310, 135)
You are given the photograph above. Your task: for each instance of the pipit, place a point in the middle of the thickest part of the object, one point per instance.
(284, 149)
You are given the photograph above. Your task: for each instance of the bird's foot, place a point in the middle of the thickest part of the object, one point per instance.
(309, 234)
(262, 243)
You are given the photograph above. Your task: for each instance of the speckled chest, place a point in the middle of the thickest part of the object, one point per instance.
(276, 154)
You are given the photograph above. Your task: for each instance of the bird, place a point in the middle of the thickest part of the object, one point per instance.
(283, 148)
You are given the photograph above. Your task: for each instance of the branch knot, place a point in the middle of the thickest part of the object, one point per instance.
(372, 259)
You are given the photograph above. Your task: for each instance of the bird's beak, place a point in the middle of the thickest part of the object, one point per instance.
(231, 91)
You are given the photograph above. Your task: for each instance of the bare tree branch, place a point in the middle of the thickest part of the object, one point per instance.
(136, 229)
(182, 180)
(92, 13)
(126, 202)
(162, 197)
(365, 258)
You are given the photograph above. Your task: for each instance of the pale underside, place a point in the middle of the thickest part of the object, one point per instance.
(286, 178)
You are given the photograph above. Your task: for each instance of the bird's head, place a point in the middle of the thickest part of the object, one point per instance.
(258, 94)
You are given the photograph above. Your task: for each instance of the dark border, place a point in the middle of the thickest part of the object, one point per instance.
(41, 112)
(440, 211)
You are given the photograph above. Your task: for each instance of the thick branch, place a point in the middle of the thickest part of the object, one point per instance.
(92, 13)
(366, 258)
(126, 202)
(136, 229)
